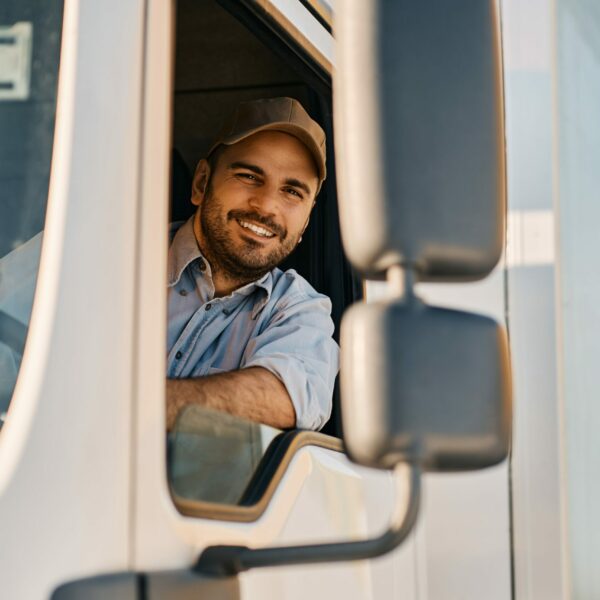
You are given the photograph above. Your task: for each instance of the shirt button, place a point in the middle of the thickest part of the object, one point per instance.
(202, 265)
(183, 292)
(178, 355)
(208, 307)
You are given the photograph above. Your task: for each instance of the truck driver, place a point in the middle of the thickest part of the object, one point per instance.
(245, 337)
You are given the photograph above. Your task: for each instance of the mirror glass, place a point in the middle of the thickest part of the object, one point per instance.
(212, 456)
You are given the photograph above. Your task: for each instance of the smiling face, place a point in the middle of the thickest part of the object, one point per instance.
(255, 204)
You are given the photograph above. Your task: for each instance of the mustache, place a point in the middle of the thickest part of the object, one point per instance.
(246, 215)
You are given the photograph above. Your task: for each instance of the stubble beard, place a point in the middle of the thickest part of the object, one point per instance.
(245, 261)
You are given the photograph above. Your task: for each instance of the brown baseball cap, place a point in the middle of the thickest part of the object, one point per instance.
(275, 114)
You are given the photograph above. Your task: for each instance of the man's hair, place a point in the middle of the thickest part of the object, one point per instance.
(213, 158)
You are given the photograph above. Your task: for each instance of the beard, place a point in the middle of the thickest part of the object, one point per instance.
(244, 259)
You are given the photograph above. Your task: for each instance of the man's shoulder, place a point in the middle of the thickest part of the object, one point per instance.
(289, 288)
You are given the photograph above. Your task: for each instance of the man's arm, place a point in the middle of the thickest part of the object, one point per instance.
(253, 393)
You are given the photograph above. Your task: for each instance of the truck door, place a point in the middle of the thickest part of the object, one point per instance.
(224, 480)
(473, 507)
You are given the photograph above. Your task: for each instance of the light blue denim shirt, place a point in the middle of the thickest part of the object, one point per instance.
(278, 322)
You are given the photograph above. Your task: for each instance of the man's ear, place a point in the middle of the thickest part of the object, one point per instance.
(200, 182)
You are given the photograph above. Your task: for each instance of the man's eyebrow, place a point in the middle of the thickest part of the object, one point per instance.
(243, 165)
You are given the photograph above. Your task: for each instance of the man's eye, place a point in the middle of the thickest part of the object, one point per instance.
(248, 176)
(294, 192)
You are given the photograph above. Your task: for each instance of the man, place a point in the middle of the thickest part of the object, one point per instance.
(243, 336)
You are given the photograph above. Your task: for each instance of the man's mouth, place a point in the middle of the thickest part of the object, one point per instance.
(257, 229)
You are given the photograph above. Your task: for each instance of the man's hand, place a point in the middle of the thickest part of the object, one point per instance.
(254, 394)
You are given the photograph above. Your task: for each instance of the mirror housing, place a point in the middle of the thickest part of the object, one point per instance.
(418, 106)
(418, 99)
(427, 386)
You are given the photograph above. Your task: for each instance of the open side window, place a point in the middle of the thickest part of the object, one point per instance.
(227, 52)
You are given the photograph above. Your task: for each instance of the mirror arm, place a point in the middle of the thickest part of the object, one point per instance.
(401, 280)
(230, 560)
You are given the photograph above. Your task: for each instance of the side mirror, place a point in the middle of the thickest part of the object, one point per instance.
(419, 128)
(426, 386)
(421, 175)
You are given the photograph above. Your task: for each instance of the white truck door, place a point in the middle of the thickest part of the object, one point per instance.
(318, 496)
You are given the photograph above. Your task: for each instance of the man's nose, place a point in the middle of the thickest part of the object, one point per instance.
(264, 200)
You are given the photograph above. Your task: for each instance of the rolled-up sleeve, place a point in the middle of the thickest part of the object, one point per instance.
(297, 346)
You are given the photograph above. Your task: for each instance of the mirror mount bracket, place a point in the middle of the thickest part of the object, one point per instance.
(401, 280)
(226, 561)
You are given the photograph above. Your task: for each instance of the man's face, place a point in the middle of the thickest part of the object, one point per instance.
(256, 203)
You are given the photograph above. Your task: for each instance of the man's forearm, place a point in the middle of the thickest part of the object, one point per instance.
(254, 394)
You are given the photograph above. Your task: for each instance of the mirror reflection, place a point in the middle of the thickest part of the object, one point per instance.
(212, 456)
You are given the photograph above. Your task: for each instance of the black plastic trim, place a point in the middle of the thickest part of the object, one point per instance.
(320, 12)
(116, 586)
(180, 584)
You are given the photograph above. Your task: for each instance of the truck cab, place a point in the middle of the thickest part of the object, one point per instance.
(105, 108)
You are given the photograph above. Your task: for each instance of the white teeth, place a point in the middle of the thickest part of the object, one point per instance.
(258, 230)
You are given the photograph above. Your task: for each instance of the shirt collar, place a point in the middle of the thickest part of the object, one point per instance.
(184, 250)
(265, 283)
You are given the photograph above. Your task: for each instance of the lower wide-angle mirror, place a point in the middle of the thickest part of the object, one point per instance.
(428, 386)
